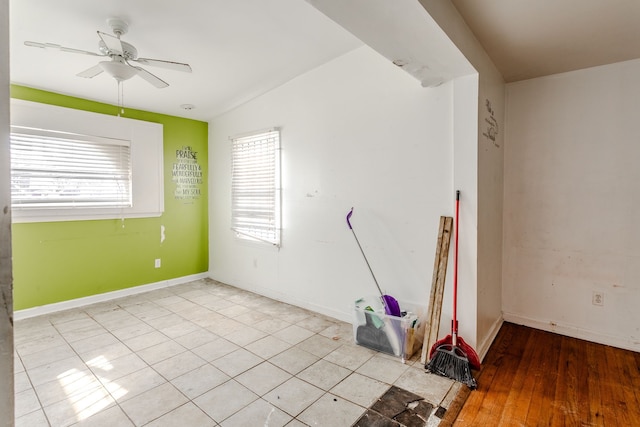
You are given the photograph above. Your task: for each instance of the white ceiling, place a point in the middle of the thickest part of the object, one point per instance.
(533, 38)
(240, 49)
(403, 32)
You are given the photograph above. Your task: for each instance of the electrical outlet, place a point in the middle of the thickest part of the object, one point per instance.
(158, 263)
(598, 298)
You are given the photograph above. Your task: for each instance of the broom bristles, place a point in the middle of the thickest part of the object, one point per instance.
(469, 352)
(451, 362)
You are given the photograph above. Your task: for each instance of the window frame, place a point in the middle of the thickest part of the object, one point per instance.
(261, 227)
(147, 159)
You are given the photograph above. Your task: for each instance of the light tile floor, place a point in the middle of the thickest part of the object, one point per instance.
(202, 354)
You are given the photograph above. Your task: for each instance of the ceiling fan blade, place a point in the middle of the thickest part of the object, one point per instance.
(177, 66)
(60, 48)
(113, 43)
(154, 80)
(91, 72)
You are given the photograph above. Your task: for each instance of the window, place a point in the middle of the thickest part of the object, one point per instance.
(69, 165)
(62, 170)
(255, 186)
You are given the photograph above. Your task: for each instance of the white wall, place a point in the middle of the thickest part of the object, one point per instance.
(434, 44)
(359, 132)
(465, 172)
(484, 158)
(490, 208)
(572, 203)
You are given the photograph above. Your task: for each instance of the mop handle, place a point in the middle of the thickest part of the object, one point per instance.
(454, 322)
(348, 218)
(363, 255)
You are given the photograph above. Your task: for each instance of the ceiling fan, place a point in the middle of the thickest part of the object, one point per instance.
(123, 57)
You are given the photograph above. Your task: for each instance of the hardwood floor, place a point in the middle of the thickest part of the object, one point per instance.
(535, 378)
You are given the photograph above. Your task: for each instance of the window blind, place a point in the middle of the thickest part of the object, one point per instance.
(55, 169)
(255, 182)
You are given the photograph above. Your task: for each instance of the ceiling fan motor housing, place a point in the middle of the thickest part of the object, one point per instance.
(129, 52)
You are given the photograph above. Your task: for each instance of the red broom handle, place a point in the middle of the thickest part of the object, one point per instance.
(454, 322)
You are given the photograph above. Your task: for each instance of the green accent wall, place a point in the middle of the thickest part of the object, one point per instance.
(59, 261)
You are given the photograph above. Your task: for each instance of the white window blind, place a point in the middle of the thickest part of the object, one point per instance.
(255, 186)
(64, 170)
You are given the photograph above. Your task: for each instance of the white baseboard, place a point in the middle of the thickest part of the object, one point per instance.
(483, 347)
(107, 296)
(345, 316)
(573, 331)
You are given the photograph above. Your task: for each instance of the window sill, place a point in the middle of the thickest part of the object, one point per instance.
(77, 215)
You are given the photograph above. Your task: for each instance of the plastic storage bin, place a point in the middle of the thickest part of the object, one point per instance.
(374, 329)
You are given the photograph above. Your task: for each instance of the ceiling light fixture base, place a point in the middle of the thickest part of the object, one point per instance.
(118, 26)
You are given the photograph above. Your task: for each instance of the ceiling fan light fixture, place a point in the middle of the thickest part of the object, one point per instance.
(118, 70)
(120, 53)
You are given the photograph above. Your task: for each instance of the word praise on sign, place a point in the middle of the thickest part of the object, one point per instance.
(187, 174)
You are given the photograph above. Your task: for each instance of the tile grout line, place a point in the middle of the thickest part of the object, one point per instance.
(152, 297)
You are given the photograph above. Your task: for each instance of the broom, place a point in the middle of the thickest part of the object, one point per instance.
(452, 357)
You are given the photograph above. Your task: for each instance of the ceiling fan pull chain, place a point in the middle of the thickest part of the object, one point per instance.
(120, 98)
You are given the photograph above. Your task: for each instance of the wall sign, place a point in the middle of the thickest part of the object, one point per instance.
(187, 174)
(492, 129)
